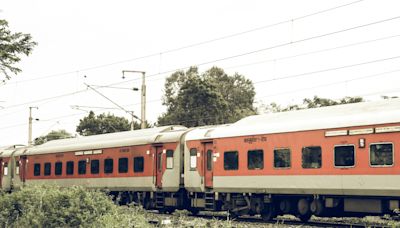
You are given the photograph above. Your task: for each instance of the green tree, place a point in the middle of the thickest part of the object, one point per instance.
(321, 102)
(12, 46)
(194, 99)
(53, 135)
(104, 123)
(315, 102)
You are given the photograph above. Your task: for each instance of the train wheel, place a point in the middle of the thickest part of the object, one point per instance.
(303, 209)
(285, 206)
(268, 212)
(317, 207)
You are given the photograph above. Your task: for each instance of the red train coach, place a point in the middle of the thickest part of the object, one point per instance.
(331, 161)
(142, 165)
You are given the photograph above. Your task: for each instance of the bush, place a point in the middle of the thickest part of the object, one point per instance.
(52, 206)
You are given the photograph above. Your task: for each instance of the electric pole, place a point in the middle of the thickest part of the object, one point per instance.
(143, 95)
(30, 125)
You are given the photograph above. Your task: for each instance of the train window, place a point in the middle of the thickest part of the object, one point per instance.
(311, 157)
(82, 167)
(47, 169)
(36, 169)
(209, 160)
(108, 165)
(170, 159)
(17, 167)
(231, 160)
(70, 168)
(344, 156)
(193, 159)
(123, 165)
(282, 158)
(381, 154)
(255, 159)
(5, 169)
(58, 168)
(94, 166)
(138, 164)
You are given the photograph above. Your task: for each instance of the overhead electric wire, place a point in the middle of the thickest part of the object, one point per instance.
(305, 53)
(258, 28)
(218, 60)
(194, 44)
(269, 48)
(326, 70)
(314, 52)
(314, 87)
(210, 117)
(329, 84)
(113, 102)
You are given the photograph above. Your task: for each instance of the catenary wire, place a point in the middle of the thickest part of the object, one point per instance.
(324, 85)
(330, 84)
(303, 54)
(195, 44)
(267, 48)
(217, 60)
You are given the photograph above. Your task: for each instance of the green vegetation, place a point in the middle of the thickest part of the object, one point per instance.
(101, 124)
(53, 135)
(51, 206)
(213, 97)
(315, 102)
(12, 46)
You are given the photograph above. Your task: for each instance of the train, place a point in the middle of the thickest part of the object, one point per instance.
(329, 162)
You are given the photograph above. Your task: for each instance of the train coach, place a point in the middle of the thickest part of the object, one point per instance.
(332, 161)
(143, 166)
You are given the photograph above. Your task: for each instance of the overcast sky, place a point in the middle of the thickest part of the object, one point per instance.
(290, 49)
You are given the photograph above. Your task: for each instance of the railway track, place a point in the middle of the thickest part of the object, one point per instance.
(247, 221)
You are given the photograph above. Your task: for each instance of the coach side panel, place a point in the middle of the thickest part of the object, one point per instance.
(312, 163)
(116, 169)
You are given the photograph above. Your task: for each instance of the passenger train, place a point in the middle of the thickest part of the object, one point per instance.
(332, 161)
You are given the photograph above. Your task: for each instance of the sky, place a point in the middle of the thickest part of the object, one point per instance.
(290, 49)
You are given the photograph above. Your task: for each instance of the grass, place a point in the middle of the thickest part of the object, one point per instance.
(52, 206)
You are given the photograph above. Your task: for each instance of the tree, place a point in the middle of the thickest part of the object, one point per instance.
(12, 46)
(315, 102)
(53, 135)
(194, 99)
(103, 123)
(321, 102)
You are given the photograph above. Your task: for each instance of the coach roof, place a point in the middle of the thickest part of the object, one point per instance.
(7, 151)
(339, 116)
(110, 140)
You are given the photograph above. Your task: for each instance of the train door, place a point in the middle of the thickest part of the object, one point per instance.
(208, 164)
(22, 168)
(159, 165)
